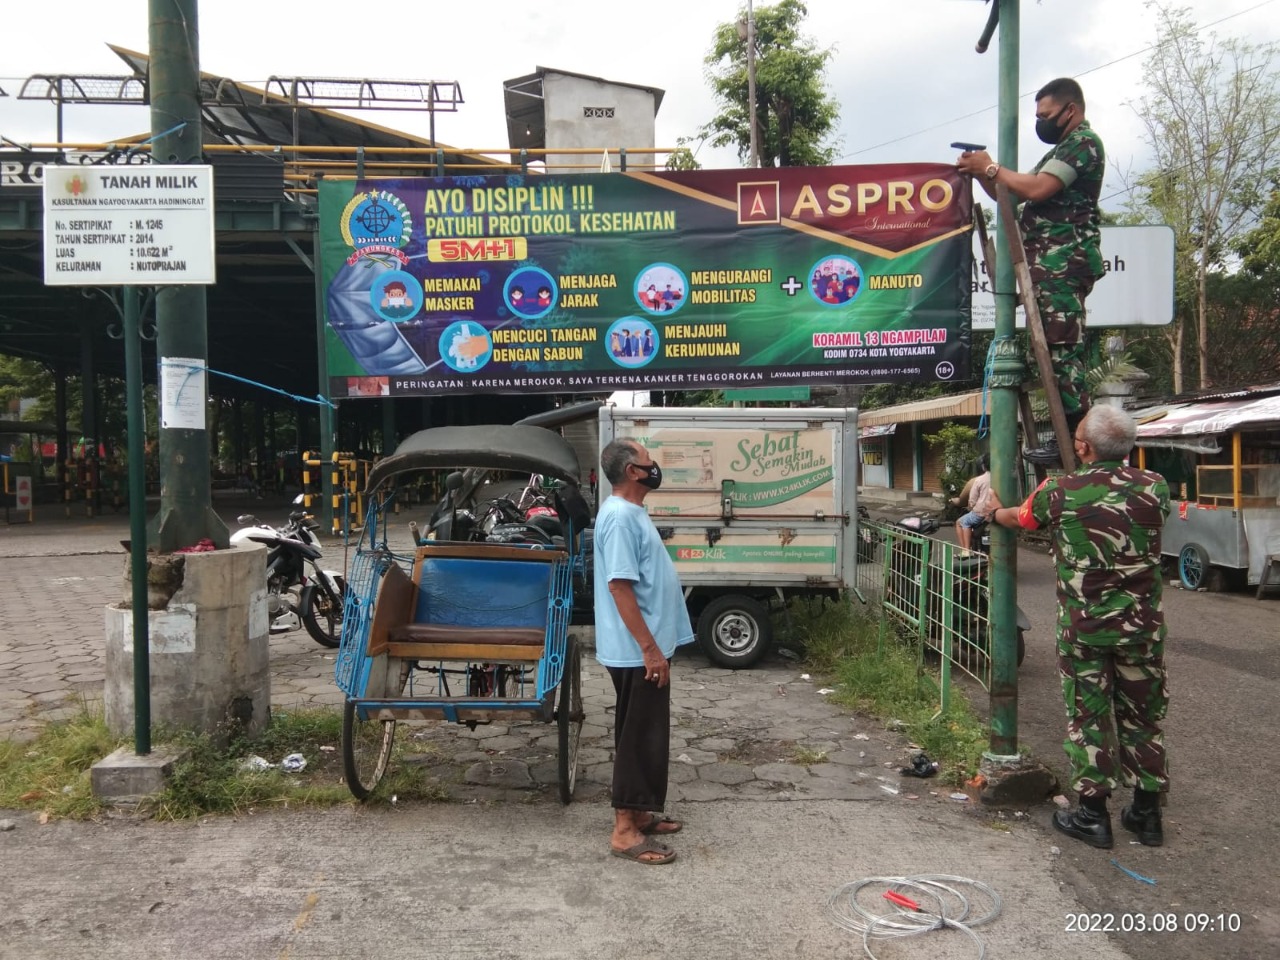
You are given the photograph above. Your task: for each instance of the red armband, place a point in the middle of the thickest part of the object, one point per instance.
(1026, 519)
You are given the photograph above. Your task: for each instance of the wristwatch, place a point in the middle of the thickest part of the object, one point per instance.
(992, 171)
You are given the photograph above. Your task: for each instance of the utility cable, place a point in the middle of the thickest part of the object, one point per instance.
(953, 910)
(1101, 66)
(318, 400)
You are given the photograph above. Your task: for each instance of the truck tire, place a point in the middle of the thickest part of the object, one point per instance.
(735, 631)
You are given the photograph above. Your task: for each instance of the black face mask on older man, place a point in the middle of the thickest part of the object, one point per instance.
(653, 475)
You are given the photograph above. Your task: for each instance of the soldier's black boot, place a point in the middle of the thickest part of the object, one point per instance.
(1143, 818)
(1050, 455)
(1089, 822)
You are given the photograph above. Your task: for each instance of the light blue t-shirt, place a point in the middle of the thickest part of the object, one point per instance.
(628, 547)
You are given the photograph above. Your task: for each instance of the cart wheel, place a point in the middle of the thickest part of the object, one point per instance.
(1193, 565)
(569, 717)
(734, 631)
(366, 748)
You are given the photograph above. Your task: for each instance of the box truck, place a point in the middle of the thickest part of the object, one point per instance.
(756, 506)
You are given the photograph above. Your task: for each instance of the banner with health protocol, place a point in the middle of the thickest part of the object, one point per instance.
(665, 281)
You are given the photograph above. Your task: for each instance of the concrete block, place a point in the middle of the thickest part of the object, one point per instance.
(209, 646)
(1016, 784)
(125, 775)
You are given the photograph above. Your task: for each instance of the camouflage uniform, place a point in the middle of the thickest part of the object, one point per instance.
(1105, 520)
(1064, 254)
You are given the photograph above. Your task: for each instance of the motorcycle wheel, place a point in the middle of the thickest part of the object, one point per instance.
(321, 613)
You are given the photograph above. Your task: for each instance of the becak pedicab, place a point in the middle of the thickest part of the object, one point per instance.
(465, 625)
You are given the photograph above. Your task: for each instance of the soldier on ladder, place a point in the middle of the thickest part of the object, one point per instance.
(1060, 228)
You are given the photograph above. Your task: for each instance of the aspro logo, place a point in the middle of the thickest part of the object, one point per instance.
(377, 223)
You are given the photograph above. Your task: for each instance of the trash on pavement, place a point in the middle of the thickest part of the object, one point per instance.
(825, 690)
(1137, 876)
(921, 766)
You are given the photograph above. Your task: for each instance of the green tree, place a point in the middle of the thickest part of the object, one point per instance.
(795, 113)
(1212, 119)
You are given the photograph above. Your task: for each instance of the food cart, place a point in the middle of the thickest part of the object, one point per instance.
(1221, 456)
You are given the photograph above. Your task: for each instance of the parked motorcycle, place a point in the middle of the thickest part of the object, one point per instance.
(533, 515)
(971, 586)
(299, 591)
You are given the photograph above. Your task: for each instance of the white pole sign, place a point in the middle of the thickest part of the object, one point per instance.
(1136, 291)
(133, 225)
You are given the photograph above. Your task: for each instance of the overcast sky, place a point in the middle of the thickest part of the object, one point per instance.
(904, 72)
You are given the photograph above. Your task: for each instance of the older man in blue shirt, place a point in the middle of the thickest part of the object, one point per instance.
(640, 620)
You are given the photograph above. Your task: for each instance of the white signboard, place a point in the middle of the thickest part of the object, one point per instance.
(1137, 290)
(22, 491)
(141, 225)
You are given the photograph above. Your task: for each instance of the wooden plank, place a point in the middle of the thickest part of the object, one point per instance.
(1025, 412)
(468, 652)
(1035, 328)
(392, 607)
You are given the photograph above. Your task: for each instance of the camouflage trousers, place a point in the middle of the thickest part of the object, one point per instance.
(1061, 303)
(1116, 698)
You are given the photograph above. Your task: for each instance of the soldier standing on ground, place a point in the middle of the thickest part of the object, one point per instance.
(1061, 233)
(1105, 520)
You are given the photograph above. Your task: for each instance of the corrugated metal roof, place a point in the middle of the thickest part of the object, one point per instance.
(935, 408)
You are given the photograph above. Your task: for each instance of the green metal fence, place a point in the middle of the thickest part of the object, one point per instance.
(932, 590)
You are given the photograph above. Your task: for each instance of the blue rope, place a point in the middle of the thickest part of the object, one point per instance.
(318, 400)
(987, 369)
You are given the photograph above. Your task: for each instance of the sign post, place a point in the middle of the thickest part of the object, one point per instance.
(145, 225)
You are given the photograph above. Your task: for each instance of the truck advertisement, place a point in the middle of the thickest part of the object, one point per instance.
(671, 281)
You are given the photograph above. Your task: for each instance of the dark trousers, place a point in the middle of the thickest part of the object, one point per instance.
(641, 740)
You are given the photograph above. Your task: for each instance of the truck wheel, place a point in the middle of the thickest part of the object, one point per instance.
(735, 631)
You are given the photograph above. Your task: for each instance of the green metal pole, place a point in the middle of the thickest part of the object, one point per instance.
(186, 513)
(1006, 381)
(137, 526)
(326, 411)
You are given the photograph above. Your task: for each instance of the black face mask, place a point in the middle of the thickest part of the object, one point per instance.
(652, 478)
(1047, 128)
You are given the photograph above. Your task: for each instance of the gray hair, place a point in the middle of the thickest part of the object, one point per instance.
(1110, 431)
(615, 457)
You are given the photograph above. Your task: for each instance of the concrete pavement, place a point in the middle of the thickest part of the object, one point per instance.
(505, 871)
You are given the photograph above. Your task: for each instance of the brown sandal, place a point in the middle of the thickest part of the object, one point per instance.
(637, 853)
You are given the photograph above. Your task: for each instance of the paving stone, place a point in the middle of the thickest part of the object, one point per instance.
(680, 773)
(697, 790)
(506, 774)
(851, 758)
(717, 744)
(483, 732)
(781, 773)
(506, 743)
(693, 756)
(818, 746)
(726, 773)
(839, 790)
